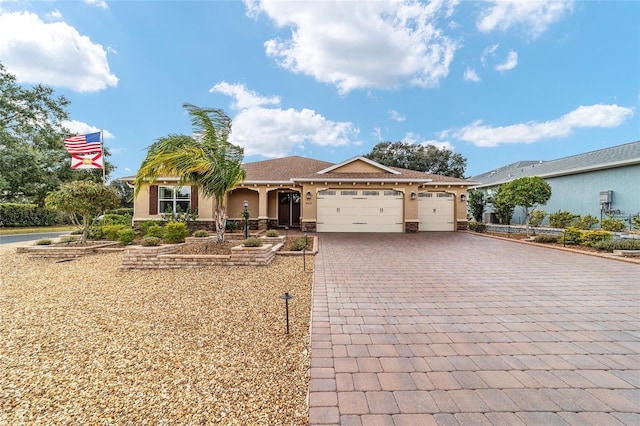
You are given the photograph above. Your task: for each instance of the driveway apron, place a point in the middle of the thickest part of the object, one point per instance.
(456, 328)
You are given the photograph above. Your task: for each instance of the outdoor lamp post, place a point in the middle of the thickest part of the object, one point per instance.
(245, 215)
(286, 296)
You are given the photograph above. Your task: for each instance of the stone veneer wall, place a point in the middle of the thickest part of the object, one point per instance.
(308, 226)
(463, 225)
(411, 227)
(163, 257)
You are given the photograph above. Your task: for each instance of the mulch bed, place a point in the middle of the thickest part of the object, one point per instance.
(83, 342)
(213, 248)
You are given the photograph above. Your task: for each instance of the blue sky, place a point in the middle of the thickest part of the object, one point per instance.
(497, 82)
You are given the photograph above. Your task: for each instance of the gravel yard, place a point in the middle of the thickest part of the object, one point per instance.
(83, 343)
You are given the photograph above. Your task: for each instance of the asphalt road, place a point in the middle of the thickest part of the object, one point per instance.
(20, 238)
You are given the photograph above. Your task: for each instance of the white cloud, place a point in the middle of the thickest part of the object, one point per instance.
(99, 3)
(54, 15)
(533, 16)
(599, 115)
(53, 54)
(81, 128)
(377, 133)
(471, 75)
(244, 98)
(488, 51)
(362, 45)
(442, 145)
(510, 63)
(415, 138)
(276, 132)
(396, 116)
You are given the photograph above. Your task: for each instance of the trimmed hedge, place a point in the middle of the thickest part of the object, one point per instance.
(546, 238)
(22, 215)
(253, 242)
(478, 226)
(611, 245)
(175, 232)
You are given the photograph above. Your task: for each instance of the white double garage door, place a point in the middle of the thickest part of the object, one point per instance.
(351, 210)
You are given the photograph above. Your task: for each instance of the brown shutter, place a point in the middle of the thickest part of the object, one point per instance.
(194, 198)
(153, 199)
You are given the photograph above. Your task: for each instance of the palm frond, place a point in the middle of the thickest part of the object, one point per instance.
(207, 159)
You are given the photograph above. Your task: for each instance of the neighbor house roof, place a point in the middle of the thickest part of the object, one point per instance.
(607, 158)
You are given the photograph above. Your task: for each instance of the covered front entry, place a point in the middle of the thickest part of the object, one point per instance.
(435, 211)
(357, 210)
(289, 209)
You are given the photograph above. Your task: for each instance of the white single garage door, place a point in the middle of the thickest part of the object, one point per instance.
(351, 210)
(435, 211)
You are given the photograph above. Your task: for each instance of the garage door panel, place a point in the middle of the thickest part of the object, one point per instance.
(360, 211)
(436, 211)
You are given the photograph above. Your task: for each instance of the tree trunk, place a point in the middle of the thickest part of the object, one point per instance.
(526, 220)
(85, 230)
(221, 223)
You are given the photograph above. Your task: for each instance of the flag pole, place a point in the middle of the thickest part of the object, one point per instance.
(104, 162)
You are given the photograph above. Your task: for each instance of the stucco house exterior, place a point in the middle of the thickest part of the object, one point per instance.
(601, 183)
(356, 195)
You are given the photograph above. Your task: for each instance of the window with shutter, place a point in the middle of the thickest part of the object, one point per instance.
(153, 199)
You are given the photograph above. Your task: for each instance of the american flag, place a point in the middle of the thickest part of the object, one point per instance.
(83, 144)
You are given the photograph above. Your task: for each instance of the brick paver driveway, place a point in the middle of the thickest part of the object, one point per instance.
(455, 328)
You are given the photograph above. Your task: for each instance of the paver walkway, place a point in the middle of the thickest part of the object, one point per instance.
(455, 328)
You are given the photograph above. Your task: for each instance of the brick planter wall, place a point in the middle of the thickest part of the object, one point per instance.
(62, 252)
(163, 257)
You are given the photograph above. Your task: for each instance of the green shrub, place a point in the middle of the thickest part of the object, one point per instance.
(232, 226)
(253, 242)
(114, 219)
(68, 239)
(150, 241)
(611, 245)
(175, 232)
(201, 233)
(585, 222)
(126, 236)
(571, 236)
(155, 231)
(180, 216)
(298, 244)
(144, 226)
(122, 211)
(546, 238)
(591, 238)
(272, 233)
(95, 233)
(24, 215)
(636, 221)
(613, 225)
(478, 226)
(44, 242)
(111, 231)
(562, 219)
(536, 217)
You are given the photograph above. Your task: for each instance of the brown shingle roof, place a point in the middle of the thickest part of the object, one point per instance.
(282, 169)
(304, 169)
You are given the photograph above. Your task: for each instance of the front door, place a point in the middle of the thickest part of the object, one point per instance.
(289, 209)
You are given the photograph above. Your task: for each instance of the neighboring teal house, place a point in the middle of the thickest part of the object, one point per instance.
(600, 183)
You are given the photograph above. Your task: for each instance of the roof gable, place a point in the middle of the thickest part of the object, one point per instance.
(359, 165)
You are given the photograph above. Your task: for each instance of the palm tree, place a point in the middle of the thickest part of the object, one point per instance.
(207, 159)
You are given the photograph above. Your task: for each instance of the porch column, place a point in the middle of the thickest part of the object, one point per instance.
(263, 208)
